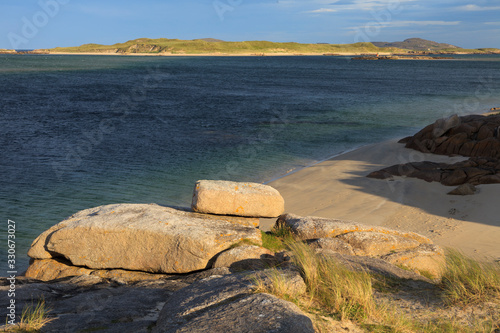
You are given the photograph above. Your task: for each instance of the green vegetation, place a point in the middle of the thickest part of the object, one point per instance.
(167, 46)
(33, 318)
(198, 46)
(468, 51)
(467, 281)
(277, 238)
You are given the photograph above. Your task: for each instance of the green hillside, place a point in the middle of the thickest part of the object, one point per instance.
(210, 46)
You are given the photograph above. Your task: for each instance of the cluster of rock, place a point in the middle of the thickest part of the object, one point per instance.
(474, 171)
(401, 57)
(350, 239)
(475, 136)
(189, 264)
(148, 238)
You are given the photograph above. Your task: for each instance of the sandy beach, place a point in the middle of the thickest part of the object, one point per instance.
(338, 188)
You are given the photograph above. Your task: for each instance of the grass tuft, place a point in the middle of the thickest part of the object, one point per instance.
(467, 281)
(277, 284)
(339, 291)
(33, 318)
(278, 238)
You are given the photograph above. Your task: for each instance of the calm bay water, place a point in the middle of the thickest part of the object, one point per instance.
(83, 131)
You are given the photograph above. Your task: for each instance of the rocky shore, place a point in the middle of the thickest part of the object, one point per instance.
(402, 57)
(140, 267)
(474, 136)
(151, 268)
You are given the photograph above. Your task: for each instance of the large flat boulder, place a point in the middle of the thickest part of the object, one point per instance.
(141, 237)
(228, 304)
(313, 227)
(91, 304)
(236, 198)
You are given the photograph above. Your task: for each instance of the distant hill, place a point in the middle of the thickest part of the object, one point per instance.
(212, 46)
(218, 47)
(417, 44)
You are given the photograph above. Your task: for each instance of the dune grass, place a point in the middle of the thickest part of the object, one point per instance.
(344, 293)
(467, 281)
(335, 292)
(33, 318)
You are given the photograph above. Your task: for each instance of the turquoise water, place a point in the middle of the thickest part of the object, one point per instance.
(83, 131)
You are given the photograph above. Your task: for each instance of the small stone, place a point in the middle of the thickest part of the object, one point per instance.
(464, 189)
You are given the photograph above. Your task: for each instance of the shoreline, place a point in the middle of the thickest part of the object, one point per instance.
(338, 188)
(376, 56)
(215, 54)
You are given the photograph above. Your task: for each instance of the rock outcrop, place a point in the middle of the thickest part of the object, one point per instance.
(407, 249)
(148, 238)
(244, 258)
(228, 304)
(475, 136)
(313, 227)
(475, 171)
(90, 303)
(53, 269)
(127, 259)
(233, 198)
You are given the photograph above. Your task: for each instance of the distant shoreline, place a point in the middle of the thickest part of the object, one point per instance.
(214, 54)
(210, 47)
(357, 55)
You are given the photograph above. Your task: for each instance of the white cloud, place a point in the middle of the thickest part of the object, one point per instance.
(476, 8)
(400, 24)
(419, 23)
(345, 5)
(322, 10)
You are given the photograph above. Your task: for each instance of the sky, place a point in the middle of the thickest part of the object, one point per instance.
(32, 24)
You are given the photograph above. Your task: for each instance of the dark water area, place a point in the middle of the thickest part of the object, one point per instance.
(83, 131)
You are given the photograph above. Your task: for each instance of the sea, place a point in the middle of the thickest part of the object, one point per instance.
(80, 131)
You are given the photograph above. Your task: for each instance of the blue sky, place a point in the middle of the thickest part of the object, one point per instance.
(30, 24)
